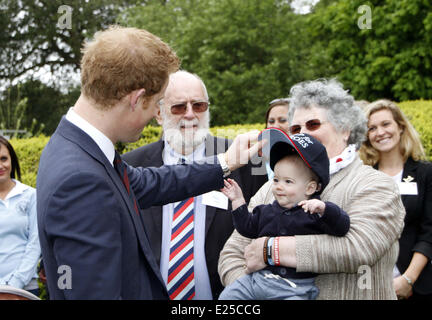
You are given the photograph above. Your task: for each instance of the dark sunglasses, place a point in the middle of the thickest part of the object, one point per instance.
(197, 106)
(311, 125)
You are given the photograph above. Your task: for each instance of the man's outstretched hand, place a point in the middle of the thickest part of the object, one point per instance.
(243, 148)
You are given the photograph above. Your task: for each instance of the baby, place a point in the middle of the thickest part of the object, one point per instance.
(301, 168)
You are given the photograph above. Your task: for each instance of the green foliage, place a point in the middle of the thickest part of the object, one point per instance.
(247, 52)
(13, 115)
(419, 112)
(44, 103)
(31, 37)
(28, 152)
(391, 60)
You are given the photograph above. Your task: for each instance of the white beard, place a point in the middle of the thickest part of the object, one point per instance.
(186, 142)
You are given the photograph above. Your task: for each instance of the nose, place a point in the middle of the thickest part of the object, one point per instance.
(380, 131)
(190, 114)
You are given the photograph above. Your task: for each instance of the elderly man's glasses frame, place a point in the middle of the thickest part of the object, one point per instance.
(181, 107)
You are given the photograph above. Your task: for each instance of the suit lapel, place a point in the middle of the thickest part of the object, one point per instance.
(85, 142)
(410, 169)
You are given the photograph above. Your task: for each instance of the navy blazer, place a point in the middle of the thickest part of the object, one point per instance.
(93, 243)
(417, 232)
(218, 224)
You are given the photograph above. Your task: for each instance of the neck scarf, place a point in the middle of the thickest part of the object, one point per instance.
(344, 159)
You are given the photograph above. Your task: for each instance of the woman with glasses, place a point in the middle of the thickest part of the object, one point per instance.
(276, 117)
(19, 245)
(358, 265)
(393, 146)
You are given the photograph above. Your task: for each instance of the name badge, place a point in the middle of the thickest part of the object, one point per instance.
(408, 188)
(215, 199)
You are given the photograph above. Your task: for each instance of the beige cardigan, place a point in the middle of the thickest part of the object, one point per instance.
(357, 266)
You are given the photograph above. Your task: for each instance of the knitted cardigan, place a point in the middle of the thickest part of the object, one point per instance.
(357, 266)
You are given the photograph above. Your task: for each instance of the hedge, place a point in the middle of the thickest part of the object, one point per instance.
(29, 150)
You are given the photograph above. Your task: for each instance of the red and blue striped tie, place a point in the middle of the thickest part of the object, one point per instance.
(181, 281)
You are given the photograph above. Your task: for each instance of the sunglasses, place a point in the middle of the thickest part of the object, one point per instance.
(197, 106)
(311, 125)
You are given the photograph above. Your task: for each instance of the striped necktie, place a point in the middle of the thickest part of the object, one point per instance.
(181, 281)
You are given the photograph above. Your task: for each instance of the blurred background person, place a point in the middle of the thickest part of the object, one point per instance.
(19, 242)
(393, 146)
(276, 117)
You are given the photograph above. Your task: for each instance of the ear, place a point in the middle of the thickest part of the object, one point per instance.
(134, 96)
(159, 117)
(311, 187)
(346, 135)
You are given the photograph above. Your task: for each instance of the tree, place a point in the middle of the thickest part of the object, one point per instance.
(392, 59)
(13, 114)
(247, 52)
(34, 34)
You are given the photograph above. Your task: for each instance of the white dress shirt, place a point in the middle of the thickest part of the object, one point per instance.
(103, 142)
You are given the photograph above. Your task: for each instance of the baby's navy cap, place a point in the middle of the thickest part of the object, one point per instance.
(310, 150)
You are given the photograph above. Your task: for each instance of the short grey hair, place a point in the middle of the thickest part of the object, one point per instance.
(342, 113)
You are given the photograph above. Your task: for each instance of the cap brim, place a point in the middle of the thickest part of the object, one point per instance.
(279, 145)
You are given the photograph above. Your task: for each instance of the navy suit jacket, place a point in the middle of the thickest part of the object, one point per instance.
(417, 233)
(93, 243)
(218, 224)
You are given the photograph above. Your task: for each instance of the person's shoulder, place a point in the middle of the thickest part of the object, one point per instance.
(364, 174)
(142, 151)
(423, 165)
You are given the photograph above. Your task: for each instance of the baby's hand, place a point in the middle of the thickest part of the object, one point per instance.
(233, 191)
(313, 206)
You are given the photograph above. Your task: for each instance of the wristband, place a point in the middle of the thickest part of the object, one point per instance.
(270, 251)
(276, 251)
(265, 251)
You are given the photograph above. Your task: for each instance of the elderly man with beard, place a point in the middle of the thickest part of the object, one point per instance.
(184, 116)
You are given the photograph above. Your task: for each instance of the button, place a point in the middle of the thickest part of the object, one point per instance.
(282, 271)
(283, 232)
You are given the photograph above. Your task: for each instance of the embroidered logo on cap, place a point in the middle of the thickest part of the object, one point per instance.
(302, 140)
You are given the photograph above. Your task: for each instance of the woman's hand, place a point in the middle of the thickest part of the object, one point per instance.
(402, 287)
(254, 255)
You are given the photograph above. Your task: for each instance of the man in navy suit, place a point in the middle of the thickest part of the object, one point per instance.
(92, 235)
(184, 115)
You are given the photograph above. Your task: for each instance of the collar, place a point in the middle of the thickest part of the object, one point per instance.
(17, 190)
(343, 160)
(171, 157)
(103, 142)
(279, 209)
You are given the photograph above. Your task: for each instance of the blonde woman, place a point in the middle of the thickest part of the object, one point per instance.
(394, 147)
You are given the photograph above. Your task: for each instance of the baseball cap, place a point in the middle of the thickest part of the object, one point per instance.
(310, 150)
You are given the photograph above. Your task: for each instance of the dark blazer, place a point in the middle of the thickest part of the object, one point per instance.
(94, 245)
(218, 226)
(417, 232)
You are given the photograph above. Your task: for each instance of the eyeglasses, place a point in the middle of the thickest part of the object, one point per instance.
(311, 125)
(197, 106)
(279, 101)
